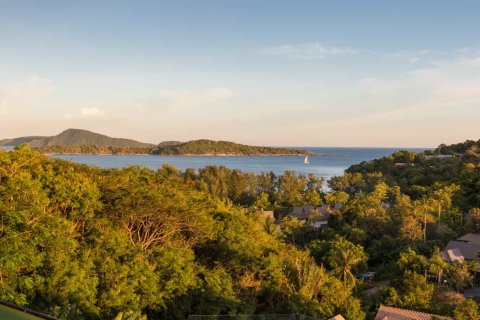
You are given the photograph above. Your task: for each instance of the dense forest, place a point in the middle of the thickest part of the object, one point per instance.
(79, 242)
(190, 148)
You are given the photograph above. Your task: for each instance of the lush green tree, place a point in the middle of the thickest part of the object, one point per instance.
(343, 257)
(412, 292)
(467, 310)
(291, 187)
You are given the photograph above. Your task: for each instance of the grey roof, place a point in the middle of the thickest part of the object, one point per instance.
(301, 212)
(459, 249)
(453, 255)
(470, 237)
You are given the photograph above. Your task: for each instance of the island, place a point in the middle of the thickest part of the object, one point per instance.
(77, 141)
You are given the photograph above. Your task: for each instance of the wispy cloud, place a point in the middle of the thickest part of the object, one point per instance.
(23, 93)
(412, 56)
(443, 85)
(309, 50)
(92, 112)
(85, 113)
(181, 100)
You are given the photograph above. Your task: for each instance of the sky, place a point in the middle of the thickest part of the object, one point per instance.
(261, 72)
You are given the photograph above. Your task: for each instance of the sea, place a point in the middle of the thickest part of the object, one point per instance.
(333, 163)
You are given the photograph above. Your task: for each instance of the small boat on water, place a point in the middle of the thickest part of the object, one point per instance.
(306, 161)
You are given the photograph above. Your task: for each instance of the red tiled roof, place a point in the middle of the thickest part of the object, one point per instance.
(390, 313)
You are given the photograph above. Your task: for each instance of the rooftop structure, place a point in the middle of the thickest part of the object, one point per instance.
(390, 313)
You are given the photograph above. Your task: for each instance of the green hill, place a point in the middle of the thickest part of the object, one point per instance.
(169, 143)
(18, 141)
(222, 148)
(416, 173)
(77, 141)
(84, 137)
(75, 137)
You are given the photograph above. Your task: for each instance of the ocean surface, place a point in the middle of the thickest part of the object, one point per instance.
(321, 166)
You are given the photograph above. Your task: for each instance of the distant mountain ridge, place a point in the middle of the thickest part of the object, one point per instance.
(75, 137)
(18, 141)
(78, 141)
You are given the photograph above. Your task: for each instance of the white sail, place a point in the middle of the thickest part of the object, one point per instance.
(306, 160)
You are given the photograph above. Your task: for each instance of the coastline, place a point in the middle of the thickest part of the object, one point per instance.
(194, 155)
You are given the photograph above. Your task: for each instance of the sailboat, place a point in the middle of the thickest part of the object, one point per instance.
(306, 161)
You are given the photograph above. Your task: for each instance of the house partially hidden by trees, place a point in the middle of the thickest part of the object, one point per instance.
(400, 165)
(316, 216)
(464, 248)
(390, 313)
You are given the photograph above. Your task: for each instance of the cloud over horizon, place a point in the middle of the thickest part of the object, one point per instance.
(24, 93)
(182, 100)
(308, 50)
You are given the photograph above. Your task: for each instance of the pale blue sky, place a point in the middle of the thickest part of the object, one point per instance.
(298, 73)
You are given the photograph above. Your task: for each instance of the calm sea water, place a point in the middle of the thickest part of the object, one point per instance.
(321, 166)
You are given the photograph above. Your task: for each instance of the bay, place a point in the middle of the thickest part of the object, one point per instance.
(322, 166)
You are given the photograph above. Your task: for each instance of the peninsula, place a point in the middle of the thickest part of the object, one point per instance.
(77, 141)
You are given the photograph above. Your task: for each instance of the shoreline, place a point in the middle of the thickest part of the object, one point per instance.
(195, 155)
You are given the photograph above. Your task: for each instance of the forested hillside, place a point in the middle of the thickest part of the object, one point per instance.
(75, 137)
(420, 174)
(84, 243)
(191, 148)
(210, 147)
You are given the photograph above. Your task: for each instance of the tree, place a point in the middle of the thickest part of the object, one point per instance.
(290, 188)
(424, 208)
(312, 197)
(411, 229)
(437, 265)
(290, 227)
(262, 202)
(467, 310)
(459, 276)
(336, 197)
(343, 257)
(411, 261)
(412, 292)
(443, 197)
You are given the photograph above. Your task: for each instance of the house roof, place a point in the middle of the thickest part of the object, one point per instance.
(471, 237)
(467, 250)
(453, 255)
(301, 212)
(337, 317)
(390, 313)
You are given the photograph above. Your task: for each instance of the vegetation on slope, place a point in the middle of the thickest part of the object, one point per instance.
(85, 137)
(85, 243)
(427, 169)
(210, 147)
(75, 137)
(95, 149)
(196, 147)
(15, 142)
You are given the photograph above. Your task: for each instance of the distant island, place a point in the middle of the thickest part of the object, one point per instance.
(77, 141)
(75, 137)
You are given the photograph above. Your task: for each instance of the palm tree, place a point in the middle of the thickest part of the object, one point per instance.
(343, 257)
(425, 206)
